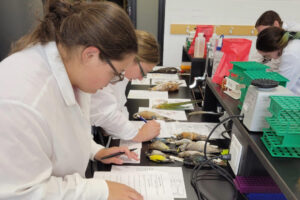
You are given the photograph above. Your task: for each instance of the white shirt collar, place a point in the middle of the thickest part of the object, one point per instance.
(60, 73)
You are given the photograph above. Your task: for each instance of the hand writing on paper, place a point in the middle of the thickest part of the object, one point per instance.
(116, 159)
(118, 191)
(148, 131)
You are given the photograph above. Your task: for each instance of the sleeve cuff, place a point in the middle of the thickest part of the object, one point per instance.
(96, 185)
(94, 149)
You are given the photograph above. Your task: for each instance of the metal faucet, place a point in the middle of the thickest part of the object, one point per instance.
(209, 50)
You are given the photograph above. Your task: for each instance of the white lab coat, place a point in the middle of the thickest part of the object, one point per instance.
(45, 135)
(290, 65)
(108, 111)
(275, 63)
(291, 26)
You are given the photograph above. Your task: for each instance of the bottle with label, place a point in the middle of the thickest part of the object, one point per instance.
(214, 41)
(199, 46)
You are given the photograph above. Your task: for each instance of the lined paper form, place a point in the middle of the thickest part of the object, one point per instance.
(144, 81)
(164, 133)
(131, 144)
(153, 185)
(169, 77)
(175, 173)
(147, 94)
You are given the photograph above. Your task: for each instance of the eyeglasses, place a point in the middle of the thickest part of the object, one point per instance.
(141, 69)
(118, 76)
(266, 60)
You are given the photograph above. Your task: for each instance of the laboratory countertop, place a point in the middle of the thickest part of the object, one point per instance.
(214, 190)
(284, 171)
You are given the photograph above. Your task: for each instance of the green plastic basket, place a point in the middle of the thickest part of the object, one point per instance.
(252, 75)
(249, 66)
(237, 72)
(284, 104)
(285, 124)
(274, 145)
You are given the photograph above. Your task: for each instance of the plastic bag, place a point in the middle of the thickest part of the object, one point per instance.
(234, 49)
(207, 30)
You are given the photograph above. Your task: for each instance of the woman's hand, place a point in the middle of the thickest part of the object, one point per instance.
(116, 159)
(118, 191)
(148, 131)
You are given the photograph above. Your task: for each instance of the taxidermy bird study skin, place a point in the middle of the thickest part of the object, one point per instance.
(150, 115)
(170, 86)
(191, 136)
(167, 70)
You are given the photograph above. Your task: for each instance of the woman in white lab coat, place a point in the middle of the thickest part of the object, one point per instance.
(274, 42)
(44, 102)
(267, 19)
(107, 107)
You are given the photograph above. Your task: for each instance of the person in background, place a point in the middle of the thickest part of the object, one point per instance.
(274, 43)
(44, 84)
(272, 18)
(267, 19)
(107, 105)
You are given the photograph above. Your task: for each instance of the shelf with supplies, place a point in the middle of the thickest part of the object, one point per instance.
(237, 30)
(197, 65)
(284, 171)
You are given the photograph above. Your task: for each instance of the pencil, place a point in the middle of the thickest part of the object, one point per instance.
(116, 154)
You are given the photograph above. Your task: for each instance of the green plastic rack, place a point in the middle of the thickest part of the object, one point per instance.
(252, 75)
(237, 72)
(284, 104)
(249, 76)
(274, 145)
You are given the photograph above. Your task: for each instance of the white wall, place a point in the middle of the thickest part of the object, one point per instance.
(218, 12)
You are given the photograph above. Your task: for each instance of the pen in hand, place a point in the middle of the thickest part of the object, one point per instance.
(141, 118)
(116, 154)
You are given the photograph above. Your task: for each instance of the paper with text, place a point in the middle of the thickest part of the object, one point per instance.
(153, 185)
(164, 133)
(147, 94)
(175, 173)
(168, 77)
(127, 160)
(144, 81)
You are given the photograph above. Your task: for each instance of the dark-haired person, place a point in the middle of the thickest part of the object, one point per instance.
(272, 18)
(108, 109)
(267, 19)
(44, 102)
(274, 43)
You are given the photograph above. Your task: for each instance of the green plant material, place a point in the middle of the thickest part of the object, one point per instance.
(174, 106)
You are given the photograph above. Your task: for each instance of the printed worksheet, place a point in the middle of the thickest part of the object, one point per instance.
(171, 114)
(131, 144)
(175, 173)
(153, 185)
(164, 133)
(168, 77)
(147, 94)
(127, 160)
(144, 81)
(154, 102)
